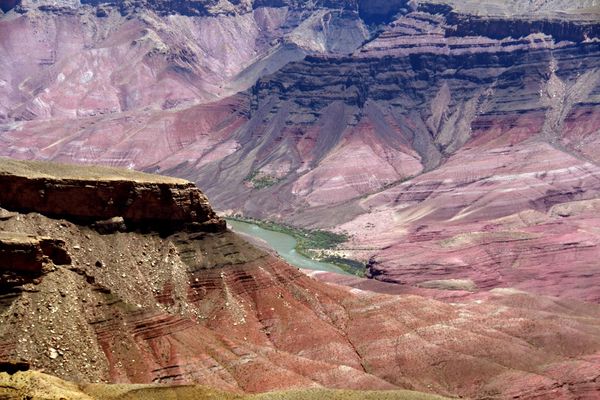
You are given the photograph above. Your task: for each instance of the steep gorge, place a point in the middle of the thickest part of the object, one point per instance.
(424, 137)
(207, 307)
(455, 142)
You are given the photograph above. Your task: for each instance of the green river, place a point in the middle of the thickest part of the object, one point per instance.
(284, 245)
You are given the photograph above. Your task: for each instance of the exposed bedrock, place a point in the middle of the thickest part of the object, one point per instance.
(409, 137)
(520, 216)
(498, 28)
(28, 253)
(370, 11)
(24, 258)
(327, 130)
(98, 194)
(82, 65)
(474, 22)
(450, 141)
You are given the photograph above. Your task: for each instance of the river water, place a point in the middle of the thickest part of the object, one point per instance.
(284, 245)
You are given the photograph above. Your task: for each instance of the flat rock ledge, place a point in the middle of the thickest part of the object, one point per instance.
(92, 195)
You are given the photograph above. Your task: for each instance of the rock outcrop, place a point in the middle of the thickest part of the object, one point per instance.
(25, 258)
(370, 11)
(443, 129)
(29, 253)
(402, 105)
(97, 195)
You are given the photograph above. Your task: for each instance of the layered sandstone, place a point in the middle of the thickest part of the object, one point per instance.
(25, 258)
(132, 307)
(441, 146)
(402, 105)
(97, 194)
(441, 135)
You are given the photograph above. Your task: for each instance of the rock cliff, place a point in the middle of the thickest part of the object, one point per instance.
(95, 195)
(25, 258)
(443, 127)
(370, 11)
(108, 200)
(409, 99)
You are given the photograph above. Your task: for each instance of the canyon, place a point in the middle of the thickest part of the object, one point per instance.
(452, 141)
(204, 306)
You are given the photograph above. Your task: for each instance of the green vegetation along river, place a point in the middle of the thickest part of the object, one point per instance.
(284, 245)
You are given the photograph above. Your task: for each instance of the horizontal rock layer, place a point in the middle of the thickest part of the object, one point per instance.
(452, 118)
(458, 150)
(371, 11)
(448, 139)
(96, 194)
(28, 254)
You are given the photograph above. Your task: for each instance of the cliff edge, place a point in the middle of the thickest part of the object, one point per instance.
(109, 198)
